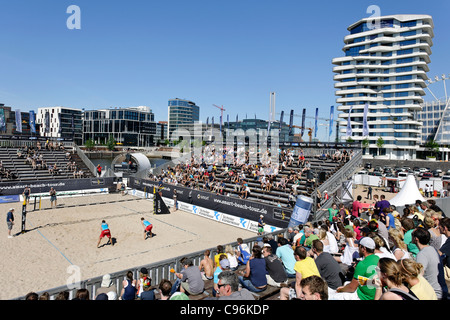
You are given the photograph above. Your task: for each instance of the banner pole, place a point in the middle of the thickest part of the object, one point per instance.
(24, 215)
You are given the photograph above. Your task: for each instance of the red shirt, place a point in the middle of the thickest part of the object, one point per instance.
(355, 208)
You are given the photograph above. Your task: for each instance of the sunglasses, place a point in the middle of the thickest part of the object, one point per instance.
(221, 285)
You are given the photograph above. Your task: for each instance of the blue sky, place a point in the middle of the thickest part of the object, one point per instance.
(230, 53)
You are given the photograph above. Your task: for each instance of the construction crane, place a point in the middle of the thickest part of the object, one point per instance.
(221, 114)
(310, 131)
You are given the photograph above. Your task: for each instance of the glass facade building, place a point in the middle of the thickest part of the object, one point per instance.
(385, 67)
(182, 115)
(435, 117)
(128, 126)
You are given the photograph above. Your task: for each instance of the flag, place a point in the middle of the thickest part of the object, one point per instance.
(315, 125)
(349, 125)
(2, 120)
(331, 120)
(365, 126)
(18, 121)
(291, 122)
(32, 122)
(220, 124)
(228, 124)
(281, 119)
(237, 118)
(303, 122)
(207, 121)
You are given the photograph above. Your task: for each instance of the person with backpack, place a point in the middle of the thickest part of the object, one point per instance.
(243, 254)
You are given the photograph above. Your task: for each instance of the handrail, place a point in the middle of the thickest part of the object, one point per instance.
(157, 271)
(86, 160)
(334, 183)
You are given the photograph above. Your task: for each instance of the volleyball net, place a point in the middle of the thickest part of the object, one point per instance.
(81, 198)
(67, 199)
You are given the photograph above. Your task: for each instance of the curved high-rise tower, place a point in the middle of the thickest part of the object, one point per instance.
(385, 67)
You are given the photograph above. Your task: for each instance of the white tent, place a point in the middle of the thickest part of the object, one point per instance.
(408, 194)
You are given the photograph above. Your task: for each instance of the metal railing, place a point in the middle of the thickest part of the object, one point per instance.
(335, 182)
(86, 160)
(157, 271)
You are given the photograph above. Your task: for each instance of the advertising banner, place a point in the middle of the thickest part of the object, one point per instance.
(217, 205)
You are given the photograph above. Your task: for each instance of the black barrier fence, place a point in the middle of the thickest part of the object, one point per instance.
(250, 210)
(15, 188)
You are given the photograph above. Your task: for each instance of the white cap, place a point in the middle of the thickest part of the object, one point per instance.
(367, 242)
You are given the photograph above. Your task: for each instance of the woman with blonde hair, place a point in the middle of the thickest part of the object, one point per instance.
(232, 258)
(400, 249)
(389, 275)
(430, 224)
(381, 248)
(412, 272)
(323, 237)
(351, 247)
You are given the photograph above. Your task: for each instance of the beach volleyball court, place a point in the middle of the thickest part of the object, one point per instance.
(61, 243)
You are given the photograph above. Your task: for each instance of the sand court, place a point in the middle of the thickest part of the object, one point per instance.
(62, 239)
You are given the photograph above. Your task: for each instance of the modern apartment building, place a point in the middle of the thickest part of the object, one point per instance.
(134, 126)
(182, 115)
(385, 66)
(60, 123)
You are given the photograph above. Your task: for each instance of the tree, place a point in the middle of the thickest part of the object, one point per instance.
(365, 144)
(111, 143)
(432, 146)
(89, 144)
(380, 144)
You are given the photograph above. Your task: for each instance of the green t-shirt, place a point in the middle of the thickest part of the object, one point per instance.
(408, 241)
(333, 213)
(310, 239)
(364, 272)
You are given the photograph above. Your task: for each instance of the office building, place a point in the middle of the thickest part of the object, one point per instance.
(435, 117)
(134, 126)
(182, 115)
(385, 66)
(161, 131)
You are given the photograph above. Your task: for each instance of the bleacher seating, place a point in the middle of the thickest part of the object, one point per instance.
(275, 195)
(25, 172)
